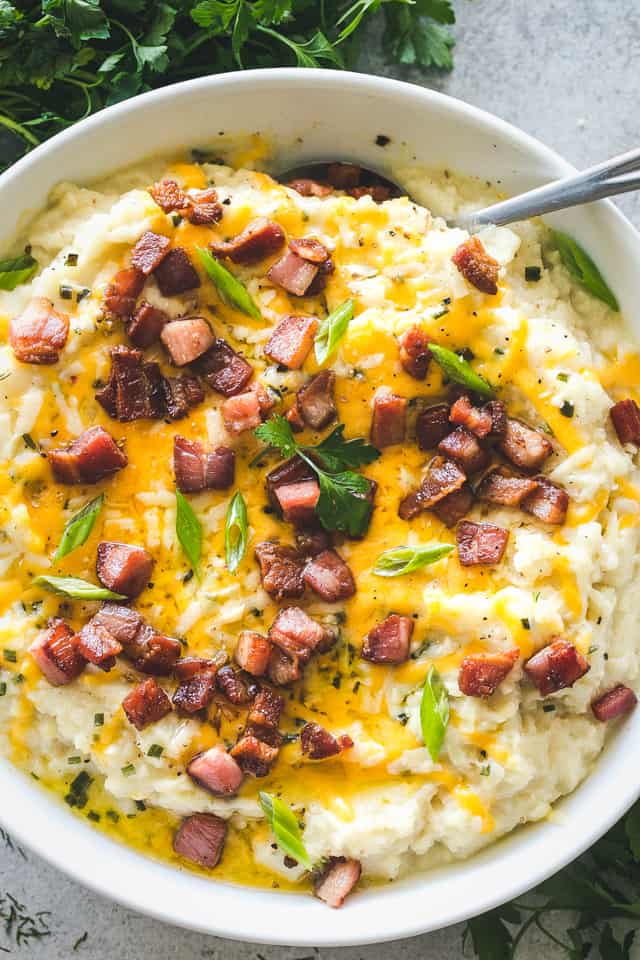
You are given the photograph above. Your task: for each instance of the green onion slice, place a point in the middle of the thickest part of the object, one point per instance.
(286, 828)
(459, 370)
(402, 560)
(332, 330)
(77, 530)
(188, 531)
(236, 532)
(76, 589)
(434, 713)
(233, 292)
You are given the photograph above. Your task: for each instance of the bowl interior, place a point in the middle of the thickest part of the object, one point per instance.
(314, 115)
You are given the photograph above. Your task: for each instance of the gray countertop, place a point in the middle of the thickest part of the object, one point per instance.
(566, 72)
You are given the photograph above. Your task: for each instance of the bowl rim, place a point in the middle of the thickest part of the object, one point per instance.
(25, 801)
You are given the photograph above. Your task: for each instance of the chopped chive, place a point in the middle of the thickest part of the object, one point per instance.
(525, 623)
(128, 770)
(65, 291)
(74, 759)
(567, 409)
(486, 770)
(442, 312)
(19, 678)
(141, 805)
(532, 274)
(28, 441)
(82, 294)
(499, 351)
(563, 376)
(155, 750)
(71, 260)
(113, 816)
(11, 656)
(548, 707)
(3, 689)
(98, 719)
(176, 219)
(92, 815)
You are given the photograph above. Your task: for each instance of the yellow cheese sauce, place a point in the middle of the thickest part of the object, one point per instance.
(339, 690)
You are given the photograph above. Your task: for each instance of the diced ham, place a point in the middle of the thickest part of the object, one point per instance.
(198, 469)
(454, 507)
(505, 488)
(291, 471)
(388, 642)
(146, 325)
(253, 755)
(477, 420)
(197, 684)
(258, 240)
(253, 652)
(281, 569)
(187, 339)
(232, 686)
(123, 291)
(201, 838)
(315, 400)
(625, 416)
(379, 192)
(176, 274)
(556, 666)
(318, 744)
(477, 266)
(312, 542)
(134, 390)
(123, 568)
(432, 426)
(282, 669)
(298, 636)
(291, 341)
(344, 176)
(122, 622)
(146, 703)
(480, 543)
(389, 421)
(91, 457)
(216, 771)
(463, 447)
(329, 576)
(168, 195)
(523, 446)
(189, 667)
(309, 249)
(442, 478)
(38, 334)
(266, 711)
(55, 651)
(337, 880)
(180, 395)
(152, 652)
(204, 207)
(225, 371)
(415, 355)
(149, 252)
(548, 502)
(297, 501)
(293, 273)
(614, 703)
(98, 645)
(245, 411)
(482, 673)
(309, 188)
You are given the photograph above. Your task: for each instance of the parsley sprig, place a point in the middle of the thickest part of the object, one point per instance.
(343, 503)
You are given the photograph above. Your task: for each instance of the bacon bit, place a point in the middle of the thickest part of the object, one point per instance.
(293, 273)
(525, 447)
(388, 642)
(480, 543)
(123, 568)
(176, 274)
(556, 666)
(145, 326)
(291, 471)
(388, 424)
(168, 195)
(464, 448)
(298, 636)
(291, 341)
(482, 673)
(197, 685)
(198, 469)
(150, 652)
(309, 188)
(187, 339)
(505, 488)
(337, 881)
(98, 645)
(442, 478)
(281, 570)
(625, 416)
(149, 252)
(91, 457)
(312, 542)
(232, 686)
(477, 420)
(39, 333)
(258, 240)
(200, 839)
(266, 711)
(318, 744)
(297, 501)
(254, 756)
(123, 291)
(225, 371)
(245, 411)
(204, 208)
(146, 703)
(294, 419)
(216, 771)
(56, 652)
(123, 623)
(377, 191)
(329, 576)
(548, 502)
(614, 703)
(476, 266)
(315, 400)
(344, 176)
(432, 426)
(135, 388)
(309, 249)
(319, 282)
(454, 507)
(180, 394)
(282, 669)
(253, 652)
(415, 355)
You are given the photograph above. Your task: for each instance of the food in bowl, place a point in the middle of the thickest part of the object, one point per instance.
(317, 520)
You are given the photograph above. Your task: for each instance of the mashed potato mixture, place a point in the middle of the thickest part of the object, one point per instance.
(185, 369)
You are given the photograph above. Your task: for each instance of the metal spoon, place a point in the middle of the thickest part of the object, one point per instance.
(618, 175)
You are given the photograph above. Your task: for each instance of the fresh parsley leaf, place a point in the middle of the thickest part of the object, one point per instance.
(336, 453)
(332, 330)
(399, 561)
(17, 270)
(342, 504)
(86, 20)
(583, 269)
(276, 432)
(491, 939)
(286, 828)
(434, 713)
(188, 531)
(77, 530)
(459, 370)
(232, 291)
(416, 33)
(632, 831)
(236, 532)
(75, 588)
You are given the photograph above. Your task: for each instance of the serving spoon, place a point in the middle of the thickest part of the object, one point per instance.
(618, 175)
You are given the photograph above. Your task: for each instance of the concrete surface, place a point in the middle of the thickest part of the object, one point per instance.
(567, 72)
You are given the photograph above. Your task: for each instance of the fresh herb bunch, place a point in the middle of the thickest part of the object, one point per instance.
(61, 60)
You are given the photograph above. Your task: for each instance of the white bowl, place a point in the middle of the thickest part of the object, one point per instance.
(335, 115)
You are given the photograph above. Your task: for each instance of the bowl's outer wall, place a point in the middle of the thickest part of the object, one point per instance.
(335, 115)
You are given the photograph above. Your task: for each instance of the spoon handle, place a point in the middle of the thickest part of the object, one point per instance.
(618, 175)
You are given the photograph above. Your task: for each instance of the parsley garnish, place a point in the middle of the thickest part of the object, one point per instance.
(343, 503)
